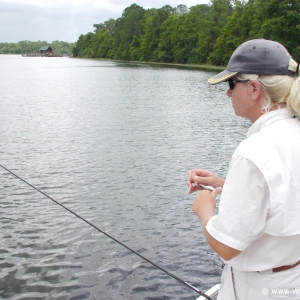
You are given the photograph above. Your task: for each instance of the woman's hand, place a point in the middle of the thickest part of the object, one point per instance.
(199, 176)
(205, 203)
(204, 206)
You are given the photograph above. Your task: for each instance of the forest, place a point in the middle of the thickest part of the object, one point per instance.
(33, 47)
(201, 34)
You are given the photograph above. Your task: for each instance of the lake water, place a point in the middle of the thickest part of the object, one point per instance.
(113, 142)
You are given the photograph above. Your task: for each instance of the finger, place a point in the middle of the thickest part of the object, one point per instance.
(216, 191)
(191, 175)
(197, 172)
(189, 182)
(202, 180)
(201, 172)
(193, 188)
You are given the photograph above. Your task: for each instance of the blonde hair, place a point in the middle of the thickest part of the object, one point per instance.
(280, 91)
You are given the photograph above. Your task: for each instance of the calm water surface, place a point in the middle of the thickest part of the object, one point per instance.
(113, 142)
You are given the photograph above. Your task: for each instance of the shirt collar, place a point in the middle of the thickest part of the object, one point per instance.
(267, 119)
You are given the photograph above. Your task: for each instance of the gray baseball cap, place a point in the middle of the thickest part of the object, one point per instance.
(259, 56)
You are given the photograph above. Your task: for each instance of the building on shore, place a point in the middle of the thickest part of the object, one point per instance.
(44, 51)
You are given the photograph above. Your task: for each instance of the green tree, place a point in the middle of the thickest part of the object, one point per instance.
(165, 51)
(215, 20)
(26, 47)
(206, 33)
(82, 48)
(151, 33)
(100, 44)
(128, 26)
(182, 9)
(282, 24)
(232, 35)
(194, 23)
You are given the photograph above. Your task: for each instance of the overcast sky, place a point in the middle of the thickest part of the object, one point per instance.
(64, 20)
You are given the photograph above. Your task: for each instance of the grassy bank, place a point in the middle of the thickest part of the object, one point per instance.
(208, 68)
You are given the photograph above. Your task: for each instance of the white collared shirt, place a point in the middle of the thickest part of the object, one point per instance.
(268, 119)
(259, 212)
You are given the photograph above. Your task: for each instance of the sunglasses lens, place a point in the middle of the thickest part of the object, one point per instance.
(231, 84)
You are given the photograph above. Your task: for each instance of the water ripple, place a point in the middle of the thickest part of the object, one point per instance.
(113, 142)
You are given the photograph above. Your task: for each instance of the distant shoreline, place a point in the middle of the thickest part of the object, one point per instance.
(208, 68)
(172, 65)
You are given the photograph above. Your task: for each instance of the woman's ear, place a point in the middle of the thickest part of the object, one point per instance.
(256, 89)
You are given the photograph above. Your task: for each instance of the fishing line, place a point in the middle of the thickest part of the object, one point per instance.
(111, 237)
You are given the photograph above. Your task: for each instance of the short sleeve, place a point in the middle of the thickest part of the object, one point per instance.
(244, 205)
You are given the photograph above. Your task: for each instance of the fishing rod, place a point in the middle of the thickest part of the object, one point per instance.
(111, 237)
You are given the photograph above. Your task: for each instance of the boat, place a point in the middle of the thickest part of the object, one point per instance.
(212, 293)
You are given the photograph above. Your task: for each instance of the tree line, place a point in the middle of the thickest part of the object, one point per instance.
(33, 47)
(201, 34)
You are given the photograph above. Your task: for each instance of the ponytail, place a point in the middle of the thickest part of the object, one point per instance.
(293, 100)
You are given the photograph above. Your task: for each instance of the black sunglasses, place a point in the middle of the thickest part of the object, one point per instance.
(232, 83)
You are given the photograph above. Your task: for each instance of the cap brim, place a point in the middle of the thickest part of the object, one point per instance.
(223, 76)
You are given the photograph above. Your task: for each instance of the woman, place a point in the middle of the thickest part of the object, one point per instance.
(257, 229)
